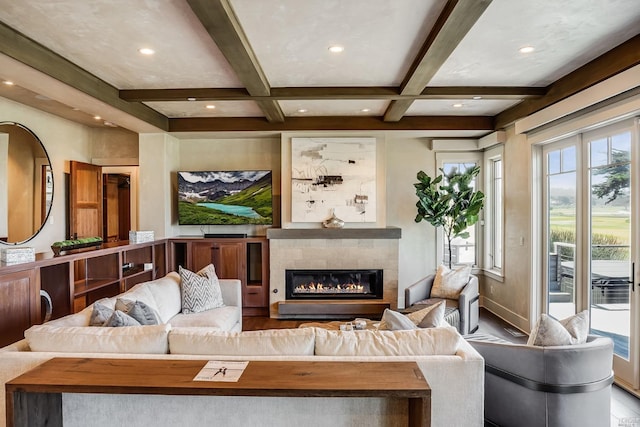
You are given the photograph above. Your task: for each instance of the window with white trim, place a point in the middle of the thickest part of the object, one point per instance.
(463, 251)
(493, 210)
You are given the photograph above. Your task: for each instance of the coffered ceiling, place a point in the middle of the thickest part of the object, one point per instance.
(452, 67)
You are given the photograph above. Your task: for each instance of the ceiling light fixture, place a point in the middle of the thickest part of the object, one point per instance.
(191, 99)
(527, 49)
(336, 49)
(8, 82)
(477, 97)
(211, 106)
(366, 110)
(458, 105)
(302, 110)
(97, 117)
(146, 51)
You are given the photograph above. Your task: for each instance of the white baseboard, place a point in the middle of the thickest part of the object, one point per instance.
(514, 319)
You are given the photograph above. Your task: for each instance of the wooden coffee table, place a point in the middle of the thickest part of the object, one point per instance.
(38, 393)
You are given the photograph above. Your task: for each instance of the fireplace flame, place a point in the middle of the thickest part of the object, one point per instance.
(323, 288)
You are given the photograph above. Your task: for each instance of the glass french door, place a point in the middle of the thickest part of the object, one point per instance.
(591, 212)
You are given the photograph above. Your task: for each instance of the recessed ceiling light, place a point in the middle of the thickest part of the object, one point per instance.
(302, 110)
(366, 110)
(336, 49)
(8, 82)
(112, 125)
(458, 105)
(146, 51)
(97, 117)
(477, 97)
(211, 106)
(191, 99)
(527, 49)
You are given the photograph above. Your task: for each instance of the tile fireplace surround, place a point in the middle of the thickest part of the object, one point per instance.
(346, 248)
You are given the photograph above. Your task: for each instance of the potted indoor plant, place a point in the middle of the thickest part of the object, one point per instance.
(449, 201)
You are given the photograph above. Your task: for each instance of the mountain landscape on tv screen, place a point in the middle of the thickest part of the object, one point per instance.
(224, 197)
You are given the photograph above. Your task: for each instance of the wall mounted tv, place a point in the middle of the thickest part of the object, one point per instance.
(224, 198)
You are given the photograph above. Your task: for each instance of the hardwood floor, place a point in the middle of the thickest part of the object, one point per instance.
(625, 407)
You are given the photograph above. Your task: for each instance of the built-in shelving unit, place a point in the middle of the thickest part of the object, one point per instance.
(243, 258)
(73, 281)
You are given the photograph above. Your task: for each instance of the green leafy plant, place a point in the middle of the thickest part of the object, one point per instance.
(449, 201)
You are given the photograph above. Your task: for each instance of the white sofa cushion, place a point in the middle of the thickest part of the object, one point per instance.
(166, 295)
(151, 339)
(415, 342)
(272, 342)
(140, 292)
(222, 318)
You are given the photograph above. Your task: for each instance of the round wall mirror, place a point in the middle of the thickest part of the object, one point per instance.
(26, 184)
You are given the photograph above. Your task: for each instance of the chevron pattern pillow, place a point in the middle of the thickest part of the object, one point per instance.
(200, 291)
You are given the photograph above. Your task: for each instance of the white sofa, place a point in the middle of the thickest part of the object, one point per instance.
(163, 295)
(454, 370)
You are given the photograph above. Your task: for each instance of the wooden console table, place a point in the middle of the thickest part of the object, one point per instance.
(35, 398)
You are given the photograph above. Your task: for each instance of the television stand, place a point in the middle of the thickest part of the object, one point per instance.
(225, 235)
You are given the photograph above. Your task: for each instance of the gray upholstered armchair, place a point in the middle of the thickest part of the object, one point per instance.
(527, 386)
(462, 313)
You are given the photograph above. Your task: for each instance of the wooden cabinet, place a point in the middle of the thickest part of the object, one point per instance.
(19, 304)
(73, 281)
(246, 259)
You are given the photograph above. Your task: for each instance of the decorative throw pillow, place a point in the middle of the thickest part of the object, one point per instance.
(197, 290)
(394, 321)
(210, 273)
(549, 331)
(100, 314)
(140, 311)
(120, 318)
(431, 316)
(448, 283)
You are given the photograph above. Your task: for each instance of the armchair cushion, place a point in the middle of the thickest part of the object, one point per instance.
(551, 332)
(449, 283)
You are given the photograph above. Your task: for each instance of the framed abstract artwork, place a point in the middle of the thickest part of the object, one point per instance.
(333, 175)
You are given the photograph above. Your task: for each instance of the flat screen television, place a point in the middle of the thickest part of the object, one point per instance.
(225, 197)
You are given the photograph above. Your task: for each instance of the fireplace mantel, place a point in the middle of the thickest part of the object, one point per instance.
(335, 233)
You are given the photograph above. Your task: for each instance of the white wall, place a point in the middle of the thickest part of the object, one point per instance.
(159, 159)
(63, 141)
(405, 157)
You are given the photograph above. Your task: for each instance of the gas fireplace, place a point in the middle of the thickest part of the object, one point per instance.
(333, 284)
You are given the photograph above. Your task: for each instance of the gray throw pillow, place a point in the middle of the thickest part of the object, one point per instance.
(394, 321)
(120, 318)
(140, 311)
(100, 314)
(197, 290)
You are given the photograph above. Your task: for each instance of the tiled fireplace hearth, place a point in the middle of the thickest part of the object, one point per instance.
(332, 250)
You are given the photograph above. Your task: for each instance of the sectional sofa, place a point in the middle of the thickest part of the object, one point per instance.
(454, 370)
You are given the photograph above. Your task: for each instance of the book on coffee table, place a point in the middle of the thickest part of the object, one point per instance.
(223, 371)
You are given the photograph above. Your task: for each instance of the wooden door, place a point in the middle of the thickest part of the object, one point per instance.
(85, 200)
(111, 210)
(228, 259)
